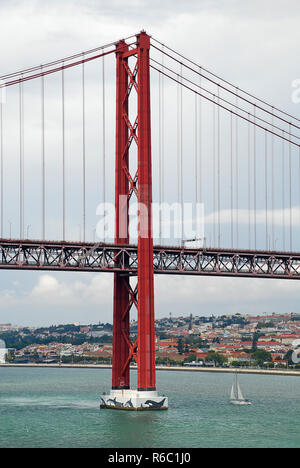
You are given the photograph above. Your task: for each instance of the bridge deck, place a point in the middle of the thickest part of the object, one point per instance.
(100, 257)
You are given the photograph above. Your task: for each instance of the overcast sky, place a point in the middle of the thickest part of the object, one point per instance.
(251, 43)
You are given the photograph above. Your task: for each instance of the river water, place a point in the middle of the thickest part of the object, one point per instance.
(60, 408)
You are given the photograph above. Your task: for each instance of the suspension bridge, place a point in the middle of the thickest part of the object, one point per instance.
(191, 137)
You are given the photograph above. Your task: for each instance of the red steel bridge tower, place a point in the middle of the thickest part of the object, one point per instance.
(252, 169)
(137, 183)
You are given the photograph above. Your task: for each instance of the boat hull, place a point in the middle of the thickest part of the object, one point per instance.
(240, 403)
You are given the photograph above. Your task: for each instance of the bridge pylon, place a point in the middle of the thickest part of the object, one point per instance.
(133, 178)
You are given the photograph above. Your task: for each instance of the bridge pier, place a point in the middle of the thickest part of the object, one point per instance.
(128, 184)
(134, 400)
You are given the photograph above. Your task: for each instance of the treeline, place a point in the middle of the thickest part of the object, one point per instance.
(184, 344)
(60, 329)
(16, 341)
(222, 321)
(69, 328)
(265, 325)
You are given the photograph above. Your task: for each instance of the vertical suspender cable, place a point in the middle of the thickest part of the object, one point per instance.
(196, 148)
(178, 144)
(266, 188)
(103, 142)
(273, 189)
(283, 192)
(43, 156)
(162, 133)
(200, 146)
(254, 176)
(159, 157)
(219, 174)
(214, 173)
(161, 145)
(23, 164)
(249, 184)
(181, 154)
(83, 156)
(200, 179)
(1, 164)
(237, 172)
(290, 192)
(231, 178)
(63, 153)
(21, 125)
(299, 188)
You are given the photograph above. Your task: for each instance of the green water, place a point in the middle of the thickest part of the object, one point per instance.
(60, 408)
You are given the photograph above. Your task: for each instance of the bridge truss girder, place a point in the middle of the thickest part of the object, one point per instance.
(70, 256)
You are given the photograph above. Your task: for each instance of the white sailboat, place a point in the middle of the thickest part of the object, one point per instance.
(236, 397)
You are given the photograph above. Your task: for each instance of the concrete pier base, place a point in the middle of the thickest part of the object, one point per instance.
(133, 400)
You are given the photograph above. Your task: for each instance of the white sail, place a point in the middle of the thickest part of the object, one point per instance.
(236, 397)
(232, 396)
(239, 393)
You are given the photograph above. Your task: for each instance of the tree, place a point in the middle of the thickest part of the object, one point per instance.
(10, 356)
(217, 358)
(269, 365)
(261, 356)
(190, 358)
(265, 325)
(180, 346)
(255, 341)
(288, 357)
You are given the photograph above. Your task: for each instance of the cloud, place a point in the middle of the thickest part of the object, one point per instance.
(78, 294)
(205, 295)
(58, 298)
(279, 217)
(53, 299)
(253, 44)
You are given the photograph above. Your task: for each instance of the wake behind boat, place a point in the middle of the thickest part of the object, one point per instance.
(237, 398)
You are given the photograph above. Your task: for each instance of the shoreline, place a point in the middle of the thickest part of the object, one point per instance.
(160, 368)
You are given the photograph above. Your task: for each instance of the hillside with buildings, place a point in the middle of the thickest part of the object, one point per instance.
(236, 340)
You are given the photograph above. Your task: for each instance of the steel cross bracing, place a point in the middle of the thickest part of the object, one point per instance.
(134, 266)
(133, 177)
(70, 256)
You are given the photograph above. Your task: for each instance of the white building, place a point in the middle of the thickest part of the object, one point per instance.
(3, 352)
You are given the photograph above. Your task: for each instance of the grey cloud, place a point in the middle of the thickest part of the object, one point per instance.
(252, 43)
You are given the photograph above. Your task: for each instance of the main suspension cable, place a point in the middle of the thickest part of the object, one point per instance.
(222, 99)
(54, 70)
(226, 108)
(224, 81)
(64, 60)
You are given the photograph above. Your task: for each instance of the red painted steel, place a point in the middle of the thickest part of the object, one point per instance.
(120, 372)
(111, 258)
(146, 332)
(139, 184)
